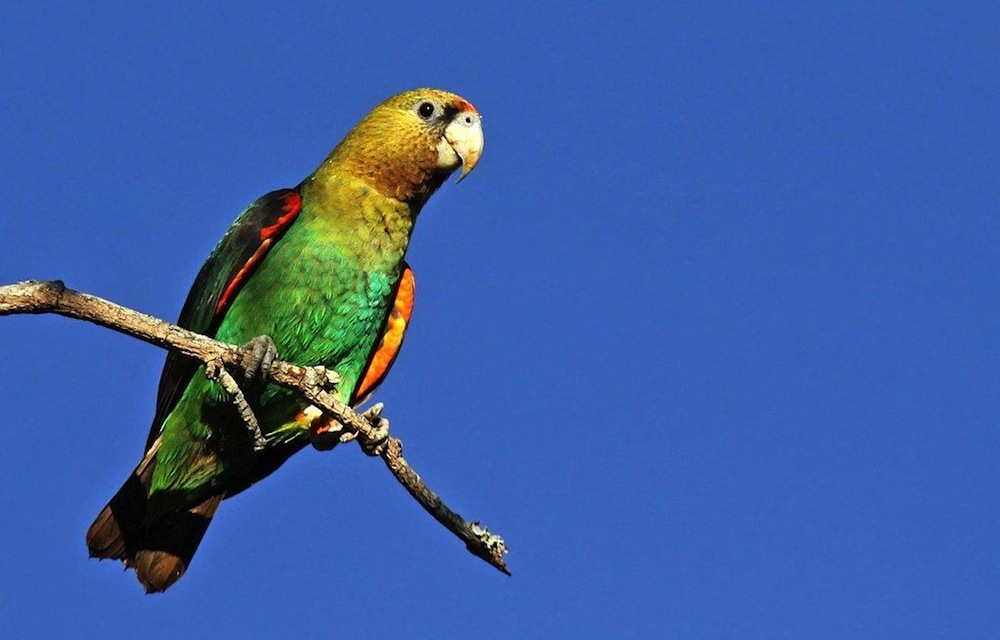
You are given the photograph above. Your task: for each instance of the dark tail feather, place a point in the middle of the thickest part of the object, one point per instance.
(118, 527)
(167, 548)
(160, 552)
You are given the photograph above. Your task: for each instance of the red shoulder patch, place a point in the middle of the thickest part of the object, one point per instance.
(392, 337)
(290, 208)
(241, 275)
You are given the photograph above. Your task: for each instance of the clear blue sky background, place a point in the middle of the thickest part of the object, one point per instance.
(710, 336)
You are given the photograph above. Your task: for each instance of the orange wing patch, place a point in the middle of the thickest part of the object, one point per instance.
(392, 337)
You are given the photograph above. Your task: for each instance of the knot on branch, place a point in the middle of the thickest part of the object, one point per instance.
(32, 296)
(312, 380)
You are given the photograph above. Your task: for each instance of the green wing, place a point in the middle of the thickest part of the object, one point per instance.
(229, 266)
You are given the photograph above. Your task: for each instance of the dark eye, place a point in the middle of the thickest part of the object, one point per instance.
(426, 110)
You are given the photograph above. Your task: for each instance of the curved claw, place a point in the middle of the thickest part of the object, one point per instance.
(327, 434)
(257, 357)
(375, 447)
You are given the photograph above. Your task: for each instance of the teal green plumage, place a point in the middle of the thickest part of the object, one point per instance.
(317, 268)
(322, 294)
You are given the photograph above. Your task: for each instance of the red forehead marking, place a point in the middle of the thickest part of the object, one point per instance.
(463, 105)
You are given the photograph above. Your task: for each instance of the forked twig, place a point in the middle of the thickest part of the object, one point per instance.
(313, 383)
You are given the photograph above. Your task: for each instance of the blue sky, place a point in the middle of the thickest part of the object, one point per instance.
(710, 335)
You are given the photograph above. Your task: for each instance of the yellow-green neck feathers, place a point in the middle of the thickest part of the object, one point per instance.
(393, 149)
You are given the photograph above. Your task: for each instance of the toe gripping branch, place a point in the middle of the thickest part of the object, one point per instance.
(257, 357)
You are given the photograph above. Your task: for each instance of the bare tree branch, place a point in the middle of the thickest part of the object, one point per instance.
(314, 383)
(215, 370)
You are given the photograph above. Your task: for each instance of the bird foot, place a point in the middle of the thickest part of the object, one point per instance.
(256, 358)
(328, 433)
(376, 446)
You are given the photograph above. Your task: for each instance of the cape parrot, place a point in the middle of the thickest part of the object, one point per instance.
(319, 268)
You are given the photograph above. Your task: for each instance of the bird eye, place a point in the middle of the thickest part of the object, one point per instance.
(426, 110)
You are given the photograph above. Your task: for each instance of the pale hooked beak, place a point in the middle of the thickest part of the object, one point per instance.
(465, 137)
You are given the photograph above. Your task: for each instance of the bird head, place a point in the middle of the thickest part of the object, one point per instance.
(410, 143)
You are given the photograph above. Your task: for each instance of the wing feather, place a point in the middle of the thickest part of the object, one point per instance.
(230, 264)
(385, 351)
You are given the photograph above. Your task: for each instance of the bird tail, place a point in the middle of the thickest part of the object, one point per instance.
(160, 551)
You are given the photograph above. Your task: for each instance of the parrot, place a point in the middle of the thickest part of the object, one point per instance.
(315, 274)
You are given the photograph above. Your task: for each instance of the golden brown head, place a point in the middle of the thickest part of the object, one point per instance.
(409, 144)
